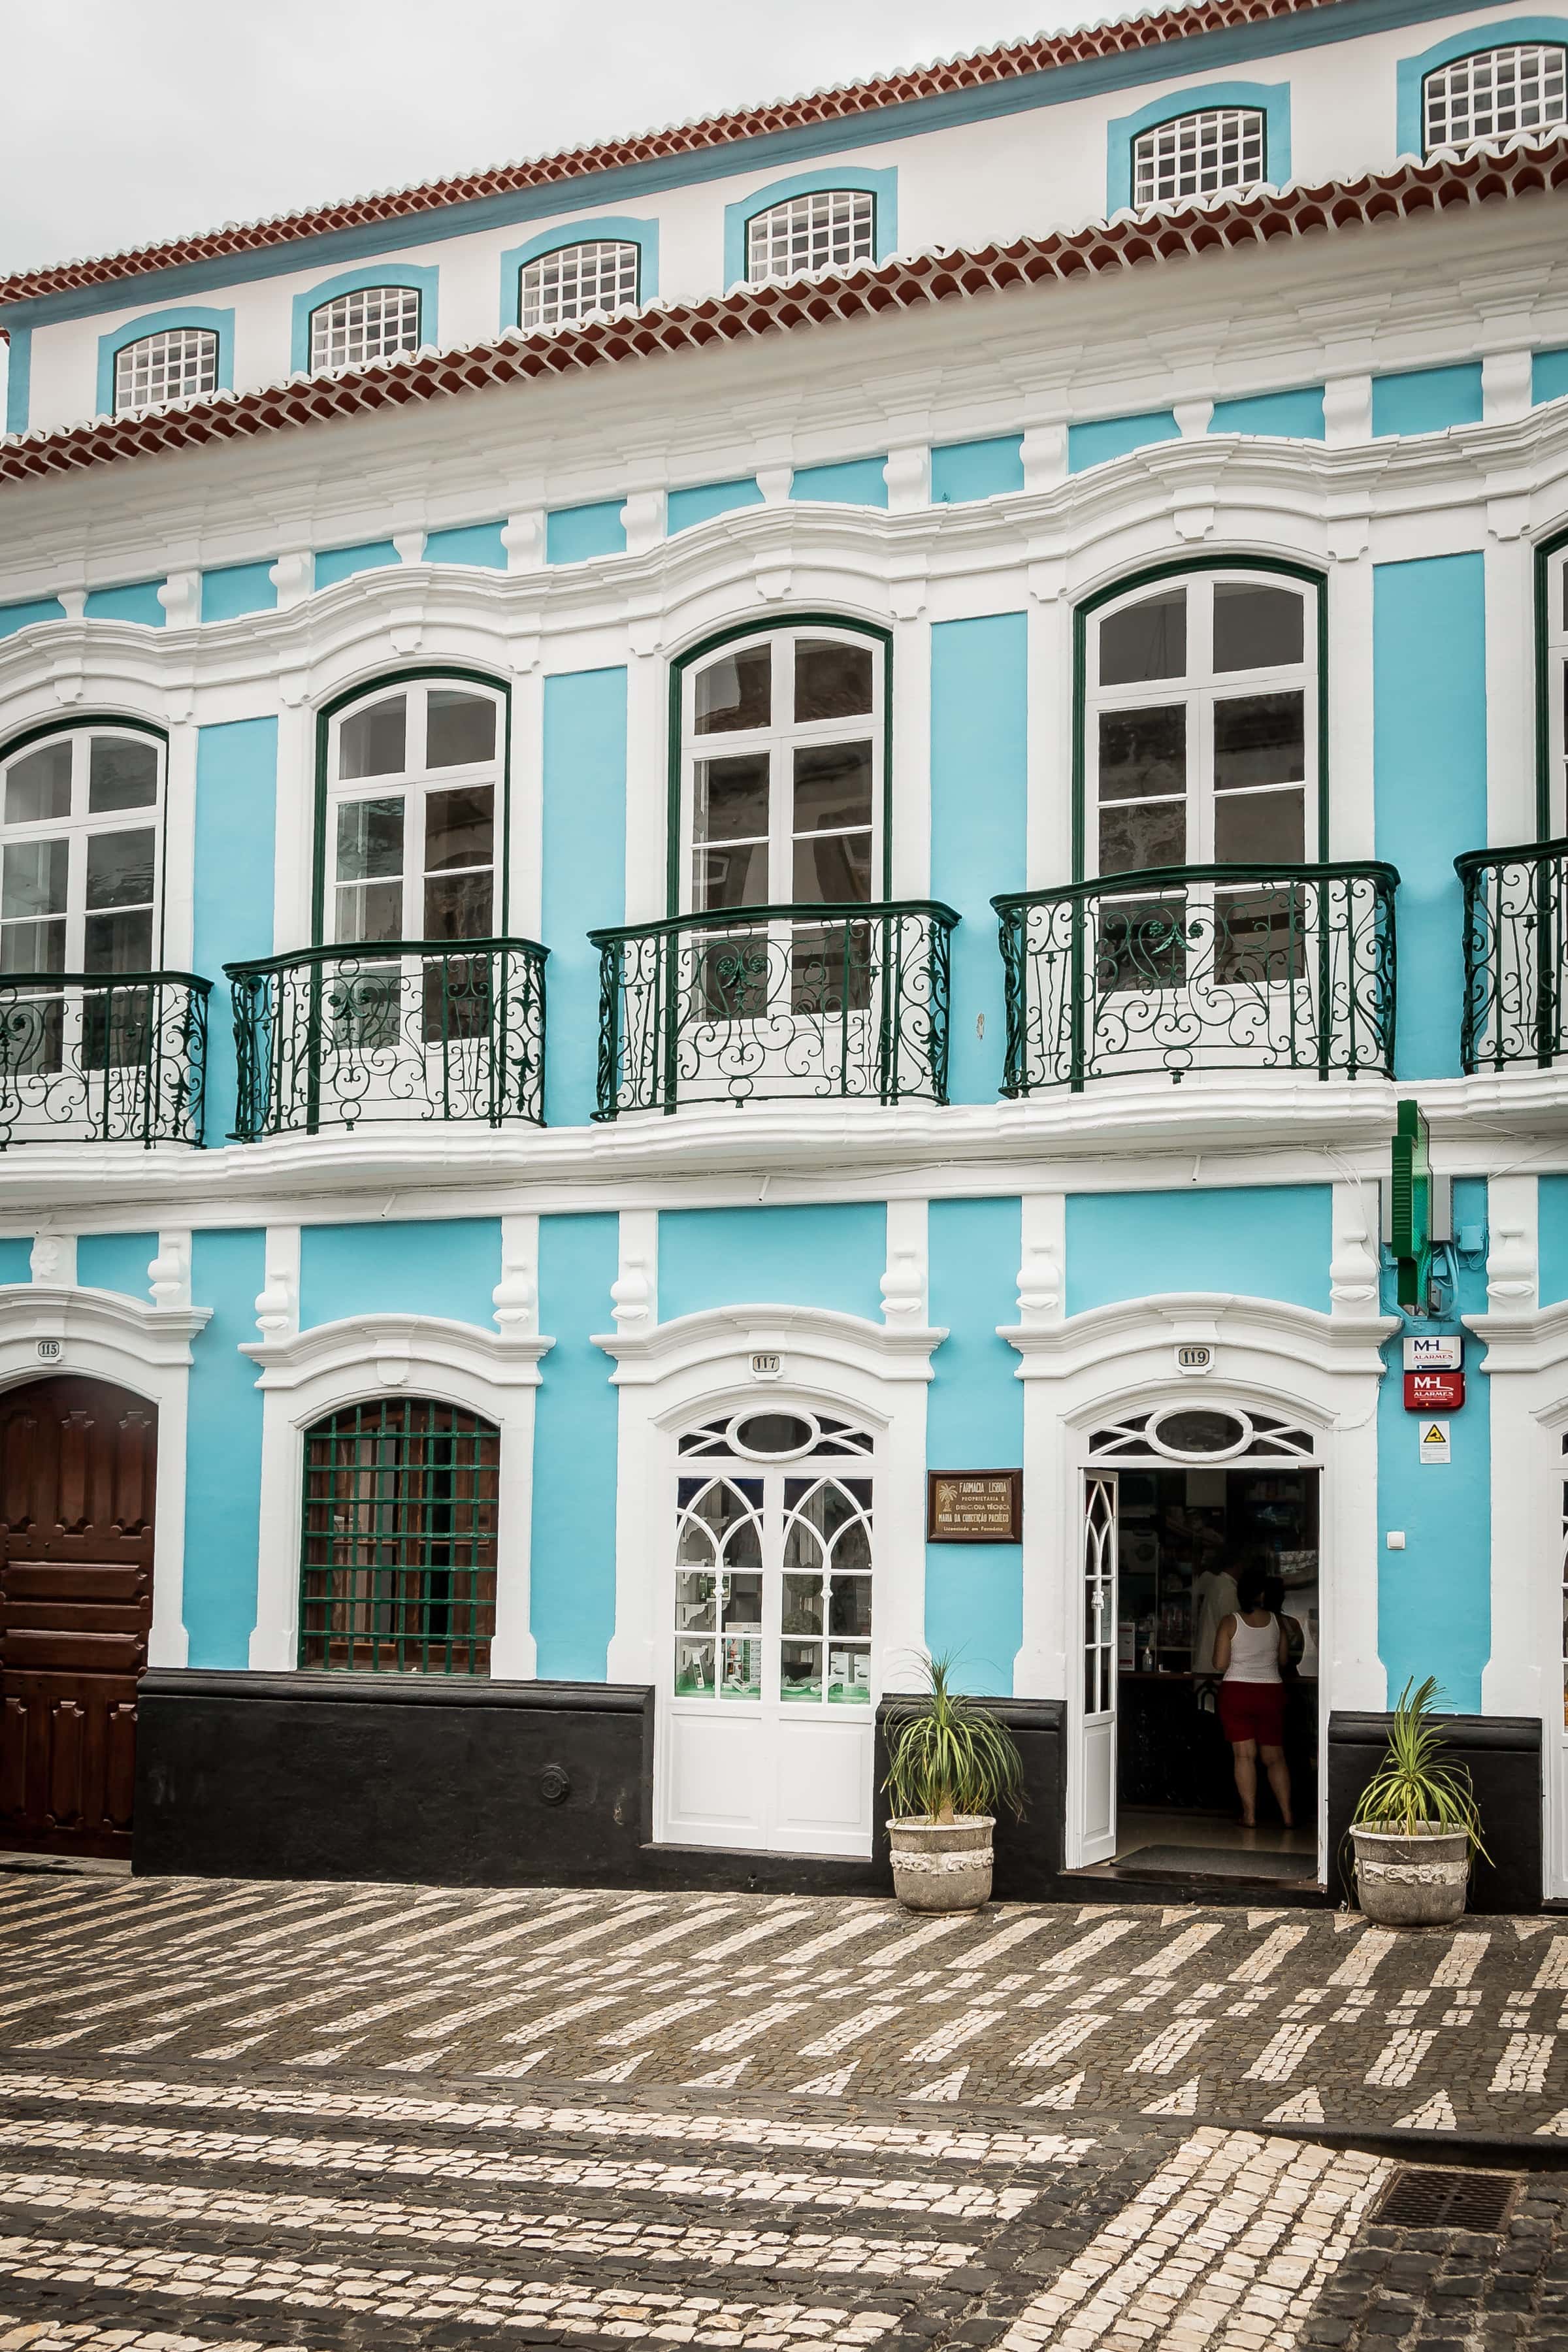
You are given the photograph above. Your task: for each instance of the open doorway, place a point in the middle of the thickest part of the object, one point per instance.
(1167, 1537)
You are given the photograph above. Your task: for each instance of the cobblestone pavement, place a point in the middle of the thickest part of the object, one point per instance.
(244, 2116)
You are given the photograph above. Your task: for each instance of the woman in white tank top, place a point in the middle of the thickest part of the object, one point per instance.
(1249, 1651)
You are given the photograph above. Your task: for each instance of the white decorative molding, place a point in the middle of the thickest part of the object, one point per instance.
(294, 576)
(410, 545)
(105, 1336)
(1272, 1329)
(643, 520)
(1043, 1271)
(634, 1290)
(516, 1295)
(775, 583)
(523, 536)
(53, 1258)
(905, 1276)
(1192, 418)
(1192, 522)
(1353, 1261)
(1507, 386)
(169, 1272)
(1347, 411)
(277, 1301)
(907, 473)
(1512, 1243)
(820, 1335)
(318, 1371)
(774, 483)
(73, 601)
(1044, 456)
(181, 598)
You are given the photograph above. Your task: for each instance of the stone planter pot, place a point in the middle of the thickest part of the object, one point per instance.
(941, 1866)
(1411, 1881)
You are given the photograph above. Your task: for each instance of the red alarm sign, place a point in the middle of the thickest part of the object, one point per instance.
(1434, 1391)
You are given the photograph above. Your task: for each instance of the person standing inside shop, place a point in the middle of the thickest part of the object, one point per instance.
(1250, 1653)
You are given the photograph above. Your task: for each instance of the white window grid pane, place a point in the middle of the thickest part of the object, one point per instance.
(1494, 92)
(829, 229)
(370, 324)
(177, 364)
(578, 281)
(1197, 155)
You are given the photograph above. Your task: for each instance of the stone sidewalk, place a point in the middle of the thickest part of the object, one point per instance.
(247, 2116)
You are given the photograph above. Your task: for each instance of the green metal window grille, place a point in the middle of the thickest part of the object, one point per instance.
(398, 1563)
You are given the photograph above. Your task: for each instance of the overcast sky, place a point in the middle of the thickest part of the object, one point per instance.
(132, 121)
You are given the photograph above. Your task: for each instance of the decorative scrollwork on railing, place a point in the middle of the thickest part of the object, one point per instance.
(400, 1029)
(1515, 960)
(1179, 970)
(95, 1059)
(775, 1003)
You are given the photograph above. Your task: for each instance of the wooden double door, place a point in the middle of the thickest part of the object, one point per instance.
(77, 1463)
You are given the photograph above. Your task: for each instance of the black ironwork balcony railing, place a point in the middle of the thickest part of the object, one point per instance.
(775, 1003)
(1516, 902)
(102, 1058)
(1183, 969)
(392, 1029)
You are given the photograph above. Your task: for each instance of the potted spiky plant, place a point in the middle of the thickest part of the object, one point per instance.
(1416, 1828)
(950, 1765)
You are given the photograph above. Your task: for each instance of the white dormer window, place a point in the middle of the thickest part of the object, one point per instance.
(373, 323)
(576, 282)
(1493, 93)
(175, 365)
(1198, 154)
(830, 229)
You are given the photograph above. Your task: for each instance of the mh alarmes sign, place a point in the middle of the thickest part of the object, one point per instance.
(1435, 1372)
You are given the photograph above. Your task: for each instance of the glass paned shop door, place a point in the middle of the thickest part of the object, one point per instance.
(1094, 1808)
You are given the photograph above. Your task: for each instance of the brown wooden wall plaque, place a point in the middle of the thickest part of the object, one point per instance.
(975, 1505)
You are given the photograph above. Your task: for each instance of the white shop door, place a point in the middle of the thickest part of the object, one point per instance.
(1094, 1809)
(770, 1672)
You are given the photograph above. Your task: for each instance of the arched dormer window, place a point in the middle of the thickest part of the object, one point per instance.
(180, 364)
(576, 282)
(373, 322)
(1492, 93)
(829, 228)
(1199, 154)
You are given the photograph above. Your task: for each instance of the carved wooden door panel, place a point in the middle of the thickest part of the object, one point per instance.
(77, 1460)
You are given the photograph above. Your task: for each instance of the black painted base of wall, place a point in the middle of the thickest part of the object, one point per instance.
(1503, 1754)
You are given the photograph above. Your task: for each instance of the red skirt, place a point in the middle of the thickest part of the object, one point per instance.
(1252, 1711)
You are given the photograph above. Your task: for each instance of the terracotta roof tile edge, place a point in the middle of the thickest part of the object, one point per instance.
(1505, 170)
(1007, 61)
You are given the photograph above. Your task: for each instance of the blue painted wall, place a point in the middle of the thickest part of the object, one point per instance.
(573, 534)
(1551, 1209)
(800, 1256)
(706, 499)
(974, 1408)
(1114, 437)
(223, 1451)
(572, 1576)
(1433, 1597)
(1271, 1241)
(583, 881)
(16, 1260)
(23, 616)
(475, 542)
(1548, 376)
(1429, 782)
(116, 1262)
(237, 588)
(1427, 400)
(1297, 416)
(236, 790)
(860, 483)
(965, 470)
(979, 793)
(414, 1265)
(137, 602)
(335, 563)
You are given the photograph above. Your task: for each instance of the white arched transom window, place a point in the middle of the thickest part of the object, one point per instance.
(783, 761)
(829, 229)
(177, 364)
(372, 323)
(414, 782)
(1492, 93)
(577, 282)
(1198, 154)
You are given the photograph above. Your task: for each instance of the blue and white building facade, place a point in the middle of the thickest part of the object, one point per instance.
(517, 712)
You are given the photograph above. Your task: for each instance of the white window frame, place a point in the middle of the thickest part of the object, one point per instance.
(1467, 88)
(414, 784)
(1556, 640)
(155, 371)
(80, 826)
(826, 228)
(780, 741)
(1200, 154)
(551, 288)
(370, 322)
(1199, 690)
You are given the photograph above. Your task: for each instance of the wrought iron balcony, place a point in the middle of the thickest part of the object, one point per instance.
(95, 1058)
(775, 1003)
(1184, 969)
(1516, 902)
(394, 1029)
